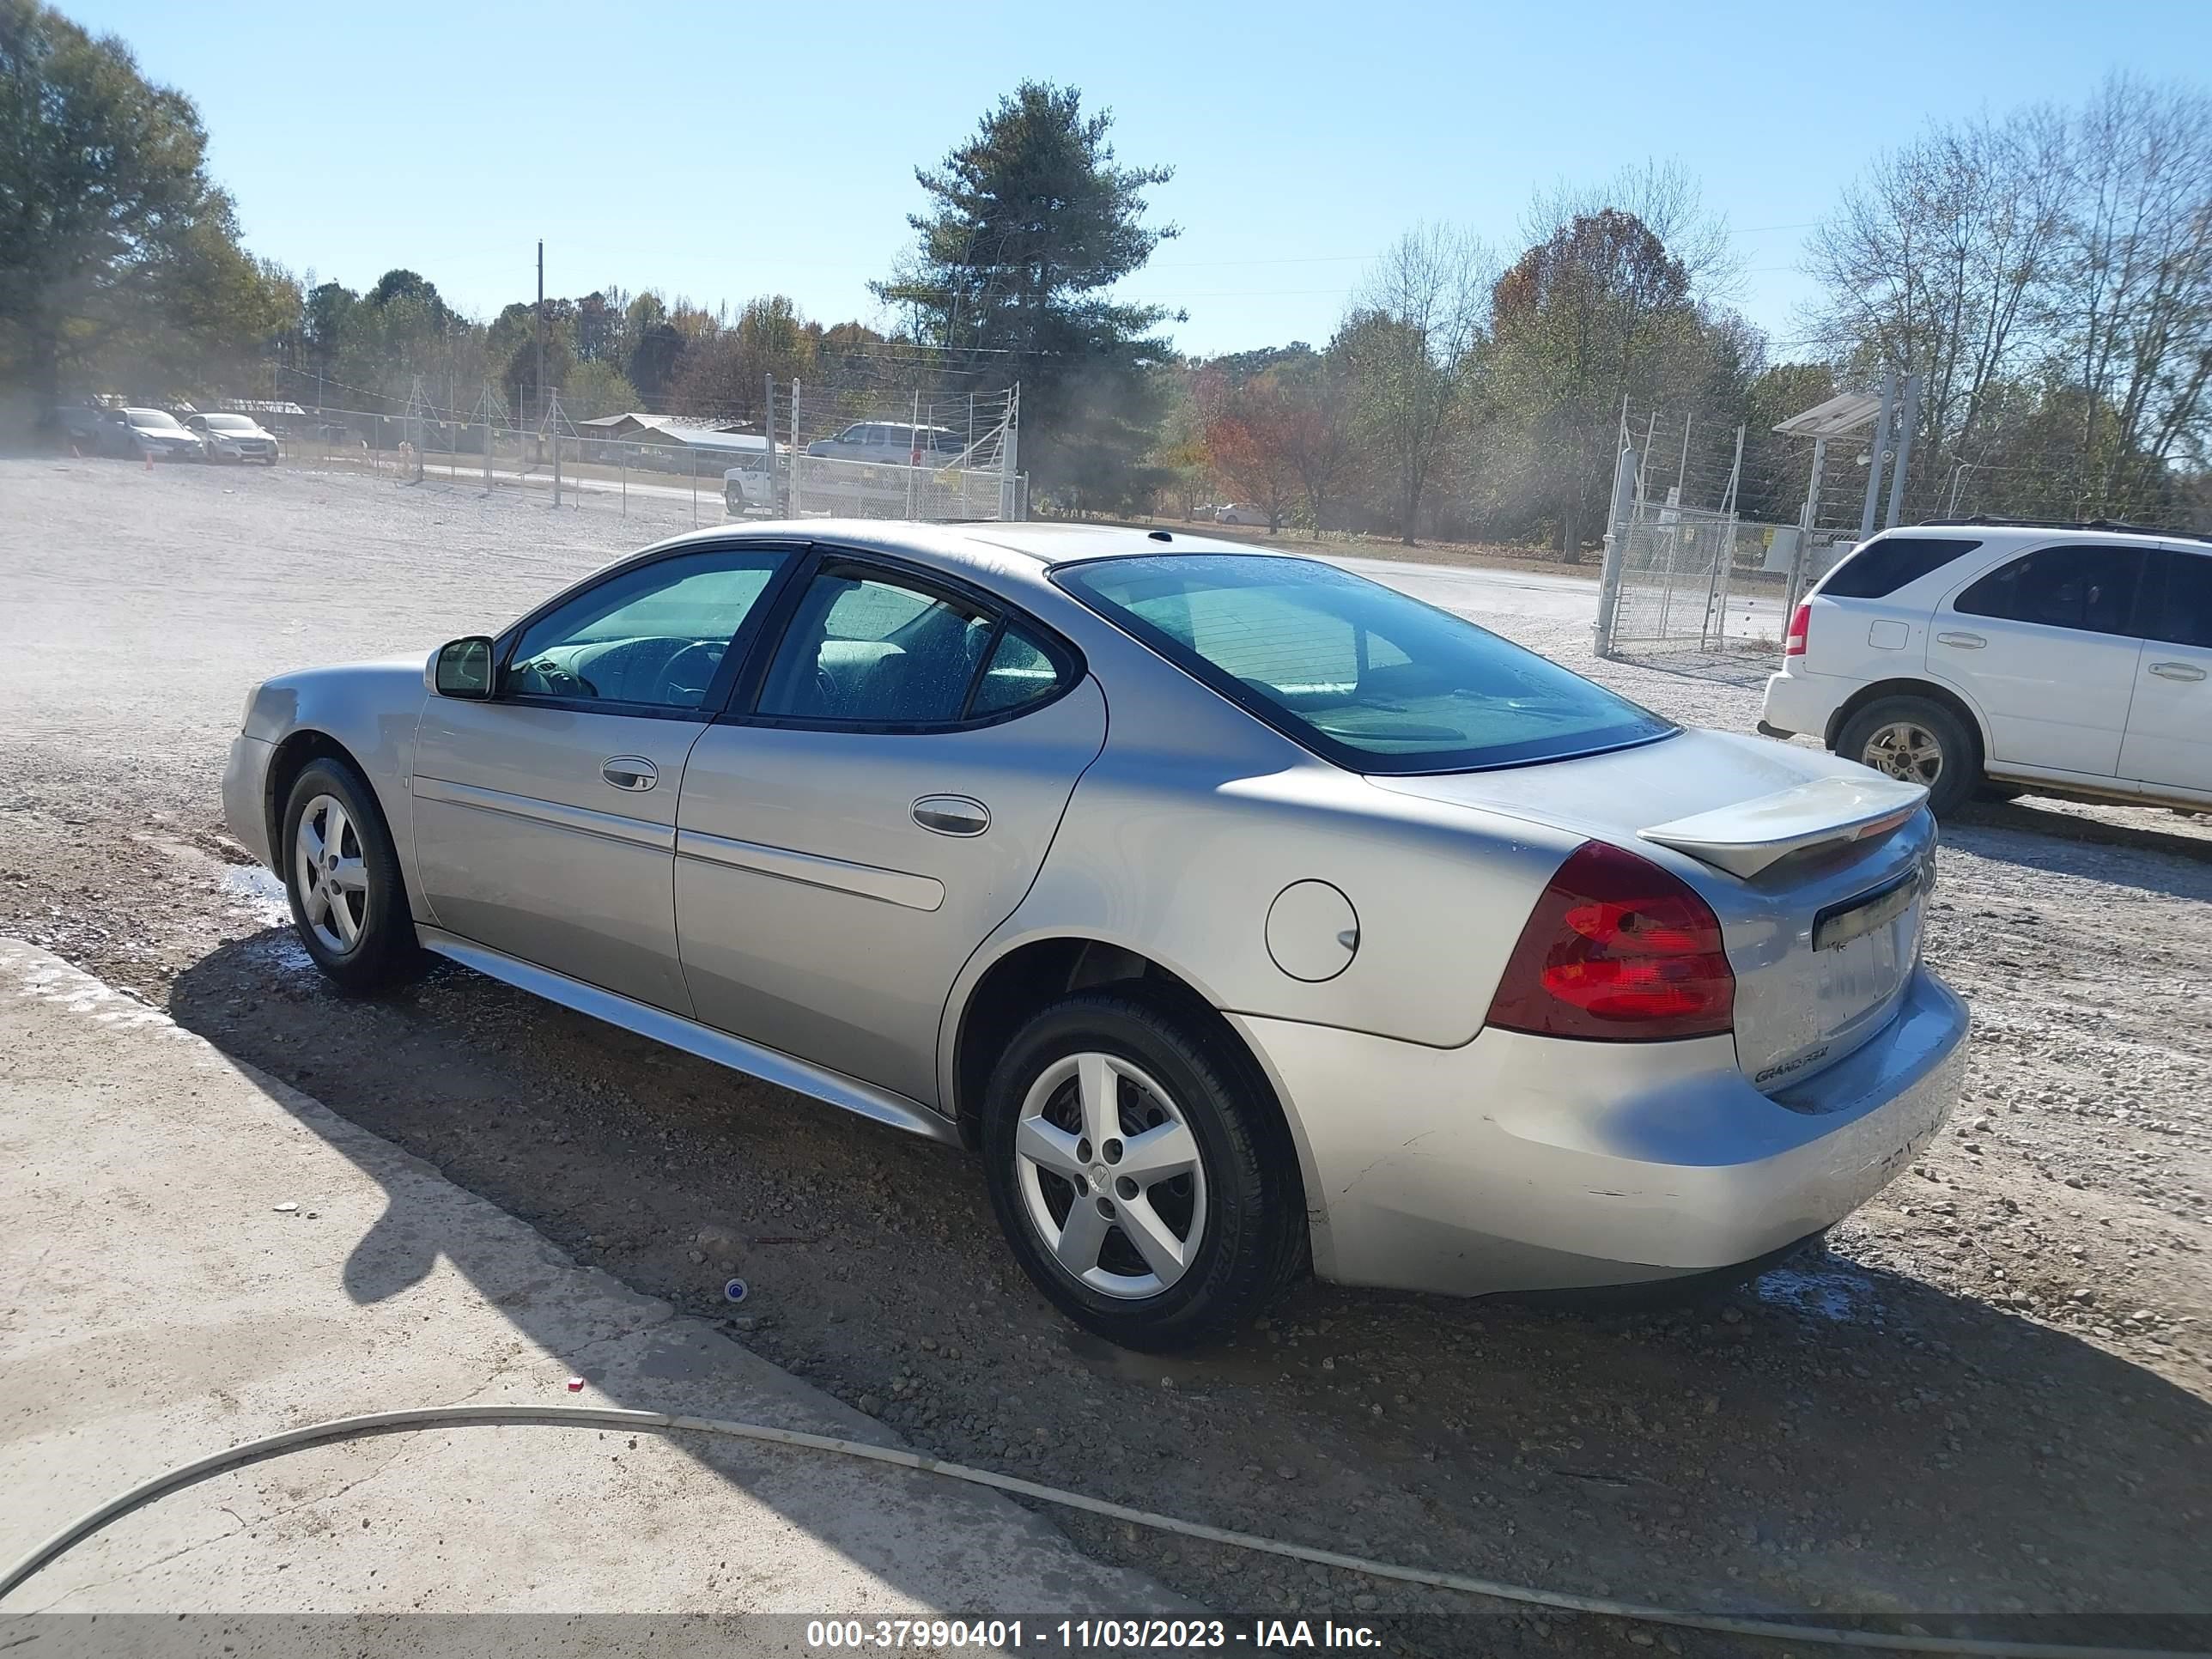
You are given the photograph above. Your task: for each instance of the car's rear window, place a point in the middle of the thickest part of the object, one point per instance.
(1354, 670)
(1878, 568)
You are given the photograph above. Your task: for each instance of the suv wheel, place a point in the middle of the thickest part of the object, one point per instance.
(1144, 1183)
(1919, 741)
(348, 902)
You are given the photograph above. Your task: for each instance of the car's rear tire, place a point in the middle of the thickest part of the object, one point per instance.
(1920, 741)
(349, 899)
(1143, 1180)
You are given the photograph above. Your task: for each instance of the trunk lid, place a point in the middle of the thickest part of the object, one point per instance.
(1817, 869)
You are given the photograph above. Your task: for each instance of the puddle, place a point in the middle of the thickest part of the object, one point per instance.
(260, 896)
(1835, 1294)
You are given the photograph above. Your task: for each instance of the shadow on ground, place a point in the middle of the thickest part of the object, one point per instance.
(1832, 1441)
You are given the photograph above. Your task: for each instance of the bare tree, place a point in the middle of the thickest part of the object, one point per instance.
(1935, 264)
(2131, 306)
(1410, 345)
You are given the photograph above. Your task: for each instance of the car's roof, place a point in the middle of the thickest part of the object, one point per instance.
(2022, 535)
(982, 544)
(1062, 543)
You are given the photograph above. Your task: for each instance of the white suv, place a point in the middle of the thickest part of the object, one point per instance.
(2071, 660)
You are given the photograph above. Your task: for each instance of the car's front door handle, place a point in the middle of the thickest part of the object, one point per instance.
(632, 772)
(2177, 671)
(1964, 641)
(953, 815)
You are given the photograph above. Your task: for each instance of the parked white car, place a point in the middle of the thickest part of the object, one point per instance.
(747, 489)
(1241, 513)
(2066, 660)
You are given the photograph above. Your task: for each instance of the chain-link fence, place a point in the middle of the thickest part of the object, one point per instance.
(846, 447)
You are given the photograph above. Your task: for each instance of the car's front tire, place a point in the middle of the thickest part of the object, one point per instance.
(1918, 740)
(1143, 1180)
(349, 899)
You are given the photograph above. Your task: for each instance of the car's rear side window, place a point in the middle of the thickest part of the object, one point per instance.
(1879, 568)
(1357, 673)
(2088, 587)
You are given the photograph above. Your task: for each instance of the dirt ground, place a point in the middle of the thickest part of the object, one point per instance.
(1992, 1395)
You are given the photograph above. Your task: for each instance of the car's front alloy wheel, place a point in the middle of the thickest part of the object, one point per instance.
(349, 901)
(331, 877)
(1142, 1175)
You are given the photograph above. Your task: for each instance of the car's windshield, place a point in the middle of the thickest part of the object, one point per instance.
(229, 423)
(154, 418)
(1357, 671)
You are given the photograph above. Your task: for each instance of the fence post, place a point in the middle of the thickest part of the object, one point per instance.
(1616, 549)
(796, 450)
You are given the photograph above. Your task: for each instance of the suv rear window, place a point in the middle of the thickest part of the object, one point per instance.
(1355, 672)
(1881, 567)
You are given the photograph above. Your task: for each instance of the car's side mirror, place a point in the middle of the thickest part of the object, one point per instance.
(463, 668)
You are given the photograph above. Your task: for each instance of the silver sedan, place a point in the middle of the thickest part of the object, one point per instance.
(1243, 914)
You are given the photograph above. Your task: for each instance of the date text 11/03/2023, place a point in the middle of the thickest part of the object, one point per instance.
(1085, 1635)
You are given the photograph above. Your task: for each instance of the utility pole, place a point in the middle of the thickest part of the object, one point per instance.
(1901, 443)
(1878, 463)
(540, 386)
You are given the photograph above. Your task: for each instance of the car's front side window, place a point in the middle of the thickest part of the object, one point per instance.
(865, 650)
(2089, 589)
(653, 637)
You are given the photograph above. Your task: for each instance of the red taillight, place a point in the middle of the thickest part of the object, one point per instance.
(1618, 950)
(1800, 624)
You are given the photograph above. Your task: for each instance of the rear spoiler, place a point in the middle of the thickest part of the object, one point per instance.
(1745, 838)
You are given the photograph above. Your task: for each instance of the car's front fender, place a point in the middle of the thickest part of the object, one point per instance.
(369, 710)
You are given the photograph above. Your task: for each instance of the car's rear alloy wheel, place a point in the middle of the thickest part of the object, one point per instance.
(348, 903)
(1110, 1175)
(1916, 740)
(1141, 1171)
(1906, 751)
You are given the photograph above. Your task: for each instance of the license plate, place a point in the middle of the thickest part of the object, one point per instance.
(1839, 924)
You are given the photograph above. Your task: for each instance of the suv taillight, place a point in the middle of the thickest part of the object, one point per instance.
(1800, 624)
(1617, 951)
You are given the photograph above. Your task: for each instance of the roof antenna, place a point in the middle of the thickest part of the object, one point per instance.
(1161, 536)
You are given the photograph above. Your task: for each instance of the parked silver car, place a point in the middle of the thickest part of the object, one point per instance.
(1242, 913)
(234, 438)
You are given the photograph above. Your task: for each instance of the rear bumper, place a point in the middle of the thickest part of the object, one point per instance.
(1797, 701)
(245, 795)
(1524, 1163)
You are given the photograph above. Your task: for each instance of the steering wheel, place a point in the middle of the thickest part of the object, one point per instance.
(708, 653)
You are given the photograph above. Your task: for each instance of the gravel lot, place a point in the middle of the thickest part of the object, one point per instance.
(1989, 1397)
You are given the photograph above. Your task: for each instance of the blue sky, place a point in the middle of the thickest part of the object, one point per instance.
(720, 150)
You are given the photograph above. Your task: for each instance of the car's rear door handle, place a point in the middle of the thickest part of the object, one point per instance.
(1964, 641)
(632, 772)
(953, 815)
(2177, 671)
